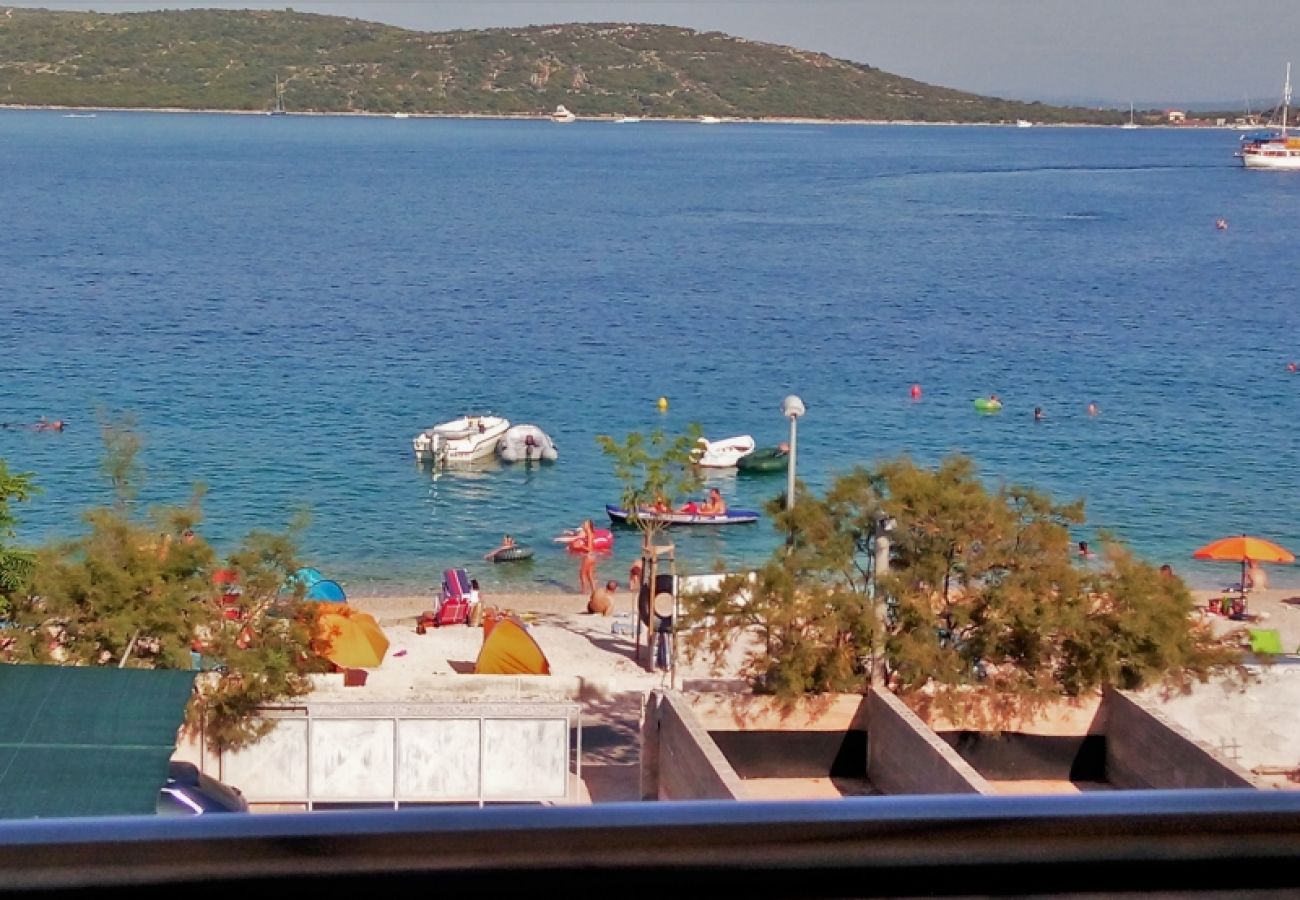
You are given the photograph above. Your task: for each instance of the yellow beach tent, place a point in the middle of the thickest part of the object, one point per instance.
(510, 650)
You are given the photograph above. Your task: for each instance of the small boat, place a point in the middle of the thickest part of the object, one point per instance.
(401, 115)
(562, 115)
(627, 120)
(78, 115)
(621, 516)
(526, 443)
(710, 120)
(1130, 124)
(602, 540)
(724, 454)
(460, 440)
(767, 459)
(516, 553)
(1024, 123)
(1274, 150)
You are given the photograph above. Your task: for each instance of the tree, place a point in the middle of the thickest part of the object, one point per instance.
(982, 615)
(653, 469)
(16, 564)
(140, 592)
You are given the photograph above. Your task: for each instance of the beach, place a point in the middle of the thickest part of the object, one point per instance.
(596, 657)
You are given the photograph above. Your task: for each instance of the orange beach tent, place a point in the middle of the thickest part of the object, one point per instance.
(350, 639)
(510, 650)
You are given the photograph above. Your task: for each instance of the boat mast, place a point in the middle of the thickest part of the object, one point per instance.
(1286, 98)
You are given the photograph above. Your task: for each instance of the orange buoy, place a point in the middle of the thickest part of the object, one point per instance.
(916, 392)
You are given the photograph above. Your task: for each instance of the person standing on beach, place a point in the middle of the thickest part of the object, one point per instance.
(587, 568)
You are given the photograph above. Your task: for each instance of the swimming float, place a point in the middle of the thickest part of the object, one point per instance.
(602, 540)
(984, 404)
(511, 554)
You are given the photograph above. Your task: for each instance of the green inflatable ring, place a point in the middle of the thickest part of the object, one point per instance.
(984, 404)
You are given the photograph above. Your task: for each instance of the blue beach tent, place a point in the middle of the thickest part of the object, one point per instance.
(327, 591)
(306, 577)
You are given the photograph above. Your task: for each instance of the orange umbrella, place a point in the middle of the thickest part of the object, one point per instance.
(350, 639)
(1244, 549)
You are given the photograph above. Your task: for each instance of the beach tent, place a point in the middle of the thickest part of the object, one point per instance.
(350, 639)
(317, 587)
(326, 591)
(510, 650)
(306, 577)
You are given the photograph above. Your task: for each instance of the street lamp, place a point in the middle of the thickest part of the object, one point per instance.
(792, 408)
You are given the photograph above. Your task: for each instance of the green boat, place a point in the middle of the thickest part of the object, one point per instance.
(765, 459)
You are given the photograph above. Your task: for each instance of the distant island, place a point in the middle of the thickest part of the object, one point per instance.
(230, 60)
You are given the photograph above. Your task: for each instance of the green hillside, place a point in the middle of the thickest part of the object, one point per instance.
(228, 59)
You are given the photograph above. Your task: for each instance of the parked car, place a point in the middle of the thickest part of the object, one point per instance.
(189, 792)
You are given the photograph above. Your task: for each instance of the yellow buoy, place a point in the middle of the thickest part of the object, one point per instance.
(663, 404)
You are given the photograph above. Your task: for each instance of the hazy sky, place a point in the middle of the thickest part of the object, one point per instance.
(1154, 52)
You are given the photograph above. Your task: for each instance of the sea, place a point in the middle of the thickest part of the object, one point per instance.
(279, 304)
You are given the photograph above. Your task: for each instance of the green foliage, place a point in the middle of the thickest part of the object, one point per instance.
(653, 468)
(16, 564)
(139, 591)
(229, 59)
(982, 615)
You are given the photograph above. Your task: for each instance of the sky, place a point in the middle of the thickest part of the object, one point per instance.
(1155, 53)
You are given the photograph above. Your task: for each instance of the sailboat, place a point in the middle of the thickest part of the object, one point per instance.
(1130, 123)
(278, 109)
(1276, 150)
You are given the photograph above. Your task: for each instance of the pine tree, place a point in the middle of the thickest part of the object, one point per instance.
(982, 615)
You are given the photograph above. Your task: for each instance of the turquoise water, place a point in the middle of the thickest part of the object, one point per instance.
(282, 303)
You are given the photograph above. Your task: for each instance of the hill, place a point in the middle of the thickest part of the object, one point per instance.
(229, 59)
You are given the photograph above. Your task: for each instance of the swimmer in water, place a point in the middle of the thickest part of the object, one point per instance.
(1221, 224)
(1038, 414)
(1092, 409)
(1292, 368)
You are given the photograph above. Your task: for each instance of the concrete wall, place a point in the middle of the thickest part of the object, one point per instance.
(323, 753)
(1146, 750)
(679, 761)
(905, 757)
(748, 712)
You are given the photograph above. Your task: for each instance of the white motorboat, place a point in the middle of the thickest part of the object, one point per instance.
(722, 454)
(627, 120)
(1024, 123)
(710, 120)
(526, 443)
(562, 115)
(460, 440)
(1276, 150)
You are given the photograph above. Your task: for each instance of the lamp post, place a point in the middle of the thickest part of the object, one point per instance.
(880, 540)
(792, 408)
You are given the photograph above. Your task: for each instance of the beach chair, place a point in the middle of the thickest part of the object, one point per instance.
(454, 601)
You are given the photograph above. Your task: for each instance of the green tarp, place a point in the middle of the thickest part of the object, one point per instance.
(1266, 640)
(82, 741)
